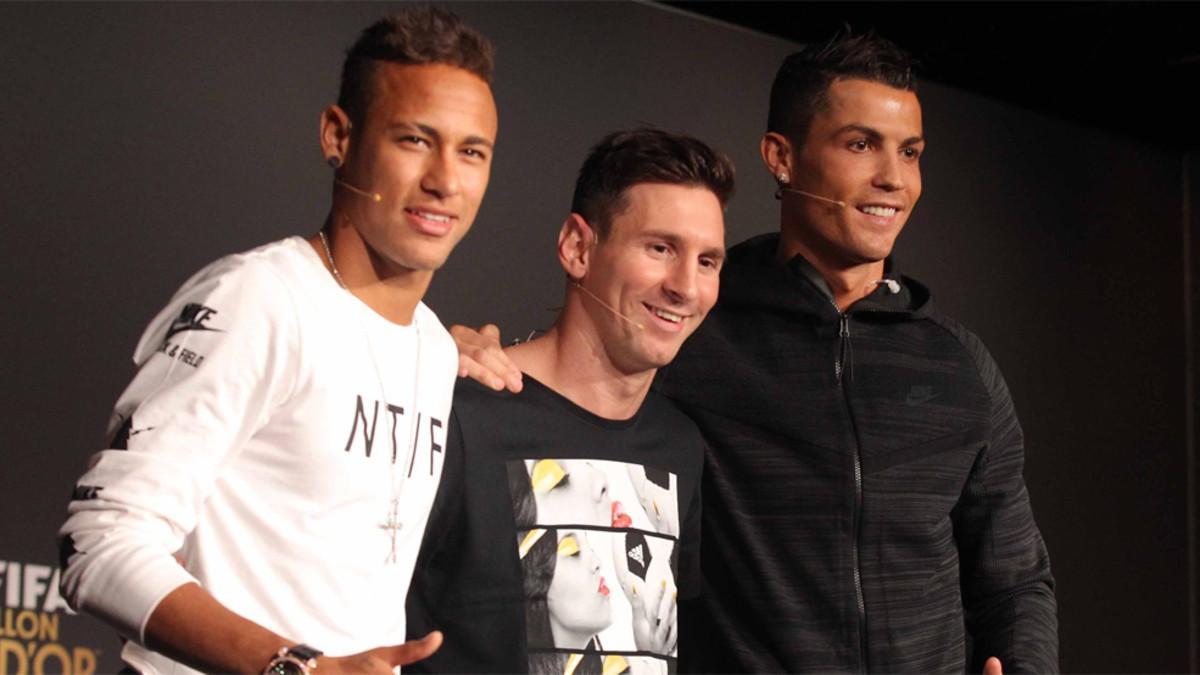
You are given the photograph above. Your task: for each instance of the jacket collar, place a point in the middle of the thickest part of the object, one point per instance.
(752, 278)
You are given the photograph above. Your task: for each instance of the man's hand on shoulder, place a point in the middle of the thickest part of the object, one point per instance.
(481, 358)
(381, 660)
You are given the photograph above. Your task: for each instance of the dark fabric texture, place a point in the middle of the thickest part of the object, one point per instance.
(468, 581)
(865, 509)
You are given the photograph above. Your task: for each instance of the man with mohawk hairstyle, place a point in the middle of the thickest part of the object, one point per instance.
(273, 462)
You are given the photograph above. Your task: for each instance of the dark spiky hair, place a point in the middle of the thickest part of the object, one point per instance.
(411, 36)
(801, 87)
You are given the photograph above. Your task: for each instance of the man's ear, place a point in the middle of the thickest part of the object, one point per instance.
(335, 135)
(576, 240)
(776, 151)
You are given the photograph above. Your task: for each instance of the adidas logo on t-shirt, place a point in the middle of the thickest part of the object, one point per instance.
(635, 553)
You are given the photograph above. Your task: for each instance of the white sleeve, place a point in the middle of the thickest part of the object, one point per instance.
(212, 366)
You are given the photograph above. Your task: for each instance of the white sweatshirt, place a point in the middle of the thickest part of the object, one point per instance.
(261, 454)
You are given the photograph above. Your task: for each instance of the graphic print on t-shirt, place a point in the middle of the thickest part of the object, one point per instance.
(597, 541)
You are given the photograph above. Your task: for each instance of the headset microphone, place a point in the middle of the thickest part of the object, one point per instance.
(893, 286)
(373, 196)
(782, 177)
(835, 202)
(605, 305)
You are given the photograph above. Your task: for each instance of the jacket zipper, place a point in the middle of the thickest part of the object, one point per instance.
(843, 357)
(840, 365)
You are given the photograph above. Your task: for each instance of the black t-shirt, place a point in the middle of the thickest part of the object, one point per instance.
(559, 541)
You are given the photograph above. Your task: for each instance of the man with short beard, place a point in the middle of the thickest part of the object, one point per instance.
(567, 523)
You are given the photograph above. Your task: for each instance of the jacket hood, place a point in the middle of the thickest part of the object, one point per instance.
(751, 278)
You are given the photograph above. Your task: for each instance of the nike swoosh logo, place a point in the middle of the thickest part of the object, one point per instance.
(181, 327)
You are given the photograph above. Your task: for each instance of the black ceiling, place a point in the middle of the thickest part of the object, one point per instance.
(1128, 67)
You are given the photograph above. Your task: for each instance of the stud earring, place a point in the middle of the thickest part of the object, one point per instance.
(782, 177)
(335, 162)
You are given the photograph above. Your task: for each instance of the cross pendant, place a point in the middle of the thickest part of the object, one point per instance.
(393, 525)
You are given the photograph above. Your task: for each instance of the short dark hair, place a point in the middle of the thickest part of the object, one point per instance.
(648, 155)
(411, 36)
(801, 87)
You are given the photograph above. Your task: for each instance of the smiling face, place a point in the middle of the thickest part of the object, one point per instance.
(577, 599)
(425, 146)
(864, 150)
(659, 266)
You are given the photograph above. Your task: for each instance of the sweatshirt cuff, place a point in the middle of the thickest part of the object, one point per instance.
(126, 594)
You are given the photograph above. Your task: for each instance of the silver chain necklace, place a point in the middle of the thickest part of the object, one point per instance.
(392, 523)
(332, 265)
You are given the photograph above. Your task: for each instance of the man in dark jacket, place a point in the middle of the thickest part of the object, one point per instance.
(863, 499)
(864, 506)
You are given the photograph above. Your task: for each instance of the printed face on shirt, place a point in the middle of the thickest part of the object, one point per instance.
(607, 587)
(864, 149)
(425, 146)
(578, 598)
(574, 492)
(659, 266)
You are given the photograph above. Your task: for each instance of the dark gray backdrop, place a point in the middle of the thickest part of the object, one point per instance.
(140, 141)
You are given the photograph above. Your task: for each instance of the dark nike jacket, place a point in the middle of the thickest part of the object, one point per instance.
(864, 506)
